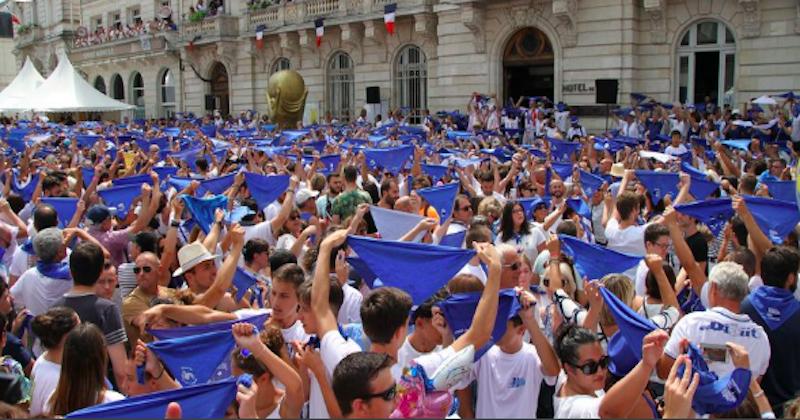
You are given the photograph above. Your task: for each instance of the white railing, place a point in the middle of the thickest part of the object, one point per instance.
(321, 7)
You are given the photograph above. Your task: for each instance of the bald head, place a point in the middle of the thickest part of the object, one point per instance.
(404, 204)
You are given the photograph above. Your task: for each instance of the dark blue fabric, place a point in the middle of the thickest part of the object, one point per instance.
(121, 197)
(165, 171)
(390, 159)
(25, 191)
(442, 199)
(208, 401)
(56, 270)
(580, 207)
(217, 185)
(137, 180)
(419, 269)
(87, 140)
(564, 170)
(775, 218)
(459, 309)
(168, 333)
(363, 270)
(455, 240)
(689, 301)
(529, 204)
(659, 183)
(563, 150)
(266, 189)
(714, 213)
(714, 394)
(700, 187)
(774, 305)
(243, 280)
(594, 261)
(625, 347)
(203, 209)
(590, 183)
(783, 190)
(65, 208)
(437, 172)
(194, 359)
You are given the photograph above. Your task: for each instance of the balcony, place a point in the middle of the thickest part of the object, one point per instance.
(125, 47)
(300, 12)
(28, 37)
(211, 29)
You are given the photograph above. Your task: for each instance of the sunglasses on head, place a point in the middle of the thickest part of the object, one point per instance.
(146, 269)
(512, 266)
(387, 395)
(591, 367)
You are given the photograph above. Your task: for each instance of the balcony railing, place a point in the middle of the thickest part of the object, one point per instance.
(212, 27)
(122, 47)
(304, 11)
(28, 37)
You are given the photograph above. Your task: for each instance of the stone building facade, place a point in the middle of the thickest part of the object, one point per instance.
(672, 50)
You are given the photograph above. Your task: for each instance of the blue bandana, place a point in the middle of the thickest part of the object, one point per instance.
(774, 305)
(58, 270)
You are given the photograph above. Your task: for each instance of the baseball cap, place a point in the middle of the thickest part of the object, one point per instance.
(304, 194)
(99, 213)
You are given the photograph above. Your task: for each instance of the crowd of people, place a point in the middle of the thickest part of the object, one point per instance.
(119, 31)
(500, 263)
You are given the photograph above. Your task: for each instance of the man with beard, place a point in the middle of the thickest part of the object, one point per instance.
(390, 192)
(334, 189)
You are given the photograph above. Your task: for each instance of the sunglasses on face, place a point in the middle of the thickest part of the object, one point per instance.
(387, 395)
(591, 367)
(146, 269)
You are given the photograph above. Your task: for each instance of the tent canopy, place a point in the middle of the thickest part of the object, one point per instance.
(15, 94)
(66, 91)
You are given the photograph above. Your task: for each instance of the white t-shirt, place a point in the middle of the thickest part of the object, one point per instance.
(528, 244)
(716, 326)
(350, 312)
(405, 354)
(508, 384)
(261, 230)
(640, 282)
(37, 292)
(576, 406)
(431, 361)
(629, 240)
(44, 379)
(475, 270)
(295, 332)
(108, 396)
(333, 348)
(675, 151)
(755, 282)
(287, 241)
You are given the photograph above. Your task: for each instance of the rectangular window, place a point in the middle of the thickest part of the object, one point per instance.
(707, 33)
(683, 79)
(134, 15)
(730, 62)
(97, 22)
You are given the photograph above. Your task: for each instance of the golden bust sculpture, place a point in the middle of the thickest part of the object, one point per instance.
(286, 97)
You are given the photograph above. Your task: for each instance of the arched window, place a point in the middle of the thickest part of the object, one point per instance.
(137, 95)
(100, 84)
(282, 63)
(706, 64)
(411, 82)
(117, 88)
(167, 94)
(341, 87)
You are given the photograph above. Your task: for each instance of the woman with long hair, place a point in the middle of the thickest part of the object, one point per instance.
(84, 363)
(515, 230)
(294, 236)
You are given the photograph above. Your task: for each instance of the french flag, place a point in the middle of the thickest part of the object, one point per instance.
(260, 36)
(388, 17)
(320, 27)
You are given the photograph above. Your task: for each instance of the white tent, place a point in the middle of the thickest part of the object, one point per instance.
(66, 91)
(21, 88)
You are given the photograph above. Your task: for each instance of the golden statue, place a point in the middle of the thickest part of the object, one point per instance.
(286, 97)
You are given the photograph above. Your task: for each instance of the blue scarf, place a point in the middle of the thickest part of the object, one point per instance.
(689, 301)
(774, 305)
(27, 247)
(58, 270)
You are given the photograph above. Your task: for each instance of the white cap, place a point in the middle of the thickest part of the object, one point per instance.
(303, 195)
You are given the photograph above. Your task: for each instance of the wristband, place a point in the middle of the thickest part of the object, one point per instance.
(758, 394)
(175, 223)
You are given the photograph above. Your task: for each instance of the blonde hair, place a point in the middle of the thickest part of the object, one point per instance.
(622, 287)
(490, 206)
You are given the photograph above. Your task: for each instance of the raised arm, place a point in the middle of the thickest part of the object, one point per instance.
(696, 275)
(656, 265)
(149, 211)
(754, 233)
(483, 321)
(286, 206)
(320, 288)
(222, 282)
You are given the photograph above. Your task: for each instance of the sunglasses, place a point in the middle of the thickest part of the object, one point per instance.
(512, 266)
(465, 208)
(387, 395)
(591, 367)
(146, 269)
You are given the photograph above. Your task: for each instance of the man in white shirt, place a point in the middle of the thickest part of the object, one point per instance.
(711, 329)
(49, 280)
(255, 227)
(656, 241)
(622, 231)
(676, 148)
(319, 318)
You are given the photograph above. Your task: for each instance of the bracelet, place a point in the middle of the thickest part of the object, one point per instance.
(758, 394)
(160, 374)
(175, 223)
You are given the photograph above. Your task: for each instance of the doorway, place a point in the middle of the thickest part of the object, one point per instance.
(528, 65)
